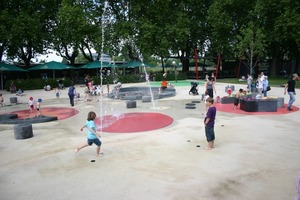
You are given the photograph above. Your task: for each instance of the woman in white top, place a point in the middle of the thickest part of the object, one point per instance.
(259, 85)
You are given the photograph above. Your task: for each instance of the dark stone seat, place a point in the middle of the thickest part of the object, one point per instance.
(13, 99)
(258, 105)
(13, 119)
(23, 131)
(129, 98)
(127, 93)
(280, 102)
(146, 99)
(227, 100)
(130, 104)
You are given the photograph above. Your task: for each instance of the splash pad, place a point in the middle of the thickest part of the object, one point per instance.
(137, 93)
(133, 122)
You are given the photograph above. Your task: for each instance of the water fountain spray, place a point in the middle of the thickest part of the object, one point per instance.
(101, 62)
(148, 81)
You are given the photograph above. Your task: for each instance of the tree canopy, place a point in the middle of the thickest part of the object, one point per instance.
(134, 29)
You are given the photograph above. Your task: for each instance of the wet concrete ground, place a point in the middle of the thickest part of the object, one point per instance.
(256, 156)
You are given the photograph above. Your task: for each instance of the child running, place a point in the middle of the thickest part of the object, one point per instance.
(57, 93)
(31, 104)
(38, 107)
(92, 135)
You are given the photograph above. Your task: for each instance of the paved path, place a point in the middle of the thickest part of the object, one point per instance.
(256, 157)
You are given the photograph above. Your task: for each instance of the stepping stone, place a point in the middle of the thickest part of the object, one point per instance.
(131, 104)
(23, 131)
(146, 99)
(190, 107)
(190, 104)
(196, 101)
(13, 99)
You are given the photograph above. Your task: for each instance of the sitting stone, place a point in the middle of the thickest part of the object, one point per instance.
(146, 98)
(23, 131)
(131, 104)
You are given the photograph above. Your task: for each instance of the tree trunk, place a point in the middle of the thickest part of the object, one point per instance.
(275, 50)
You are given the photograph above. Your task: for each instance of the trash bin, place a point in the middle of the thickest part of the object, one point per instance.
(23, 131)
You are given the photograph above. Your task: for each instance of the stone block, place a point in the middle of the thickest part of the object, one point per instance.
(23, 131)
(129, 97)
(146, 98)
(227, 100)
(13, 99)
(131, 104)
(280, 102)
(258, 105)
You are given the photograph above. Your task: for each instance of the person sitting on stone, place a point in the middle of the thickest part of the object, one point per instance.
(61, 85)
(164, 84)
(19, 92)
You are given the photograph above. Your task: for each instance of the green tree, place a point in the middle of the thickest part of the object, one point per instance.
(5, 26)
(251, 45)
(282, 26)
(29, 29)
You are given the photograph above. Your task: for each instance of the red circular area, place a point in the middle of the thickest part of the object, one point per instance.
(60, 113)
(229, 108)
(133, 122)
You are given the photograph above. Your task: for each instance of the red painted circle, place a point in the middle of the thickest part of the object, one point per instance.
(133, 122)
(60, 113)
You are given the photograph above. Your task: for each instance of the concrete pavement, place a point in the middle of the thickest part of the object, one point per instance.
(256, 157)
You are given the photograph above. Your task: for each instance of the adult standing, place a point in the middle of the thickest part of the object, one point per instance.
(259, 85)
(210, 87)
(71, 94)
(290, 88)
(265, 85)
(249, 82)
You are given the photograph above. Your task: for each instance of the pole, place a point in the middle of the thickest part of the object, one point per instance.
(196, 62)
(218, 65)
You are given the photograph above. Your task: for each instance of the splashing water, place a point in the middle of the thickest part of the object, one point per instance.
(148, 82)
(101, 61)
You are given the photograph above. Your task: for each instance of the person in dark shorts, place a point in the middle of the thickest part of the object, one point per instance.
(290, 88)
(71, 94)
(209, 123)
(92, 134)
(237, 98)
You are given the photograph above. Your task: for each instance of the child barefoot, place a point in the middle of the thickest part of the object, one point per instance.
(91, 133)
(31, 104)
(209, 123)
(237, 98)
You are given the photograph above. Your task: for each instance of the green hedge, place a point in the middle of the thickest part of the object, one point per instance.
(32, 84)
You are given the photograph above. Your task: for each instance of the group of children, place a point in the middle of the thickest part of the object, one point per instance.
(37, 104)
(237, 96)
